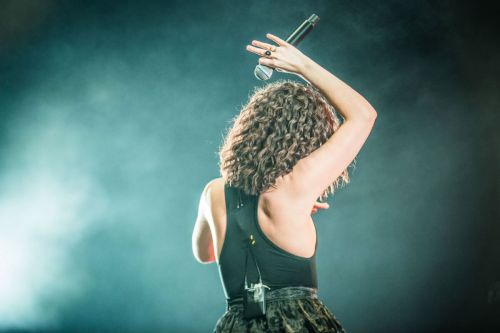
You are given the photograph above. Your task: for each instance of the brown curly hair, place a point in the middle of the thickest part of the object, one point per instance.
(282, 122)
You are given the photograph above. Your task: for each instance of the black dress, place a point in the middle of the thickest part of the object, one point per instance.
(292, 303)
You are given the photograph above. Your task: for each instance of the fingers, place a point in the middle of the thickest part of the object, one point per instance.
(260, 48)
(319, 205)
(276, 39)
(322, 205)
(267, 62)
(256, 50)
(264, 45)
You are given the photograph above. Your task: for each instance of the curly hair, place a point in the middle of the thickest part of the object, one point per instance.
(282, 122)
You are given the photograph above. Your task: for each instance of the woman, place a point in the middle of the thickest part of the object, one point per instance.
(286, 149)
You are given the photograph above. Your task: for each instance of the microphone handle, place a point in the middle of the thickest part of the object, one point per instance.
(298, 35)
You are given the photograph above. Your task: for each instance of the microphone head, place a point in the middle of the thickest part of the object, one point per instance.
(263, 72)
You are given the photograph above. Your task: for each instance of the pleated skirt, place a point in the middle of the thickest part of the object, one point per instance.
(289, 309)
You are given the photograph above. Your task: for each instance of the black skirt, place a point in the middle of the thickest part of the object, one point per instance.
(290, 309)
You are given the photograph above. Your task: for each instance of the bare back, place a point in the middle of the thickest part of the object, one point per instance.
(284, 220)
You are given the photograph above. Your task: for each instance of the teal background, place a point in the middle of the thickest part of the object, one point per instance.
(112, 113)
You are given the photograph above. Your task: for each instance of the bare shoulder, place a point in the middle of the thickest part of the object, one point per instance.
(215, 191)
(215, 184)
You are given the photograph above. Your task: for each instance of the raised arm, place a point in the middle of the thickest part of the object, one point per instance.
(315, 172)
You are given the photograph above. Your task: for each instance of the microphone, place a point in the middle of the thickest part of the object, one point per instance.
(263, 72)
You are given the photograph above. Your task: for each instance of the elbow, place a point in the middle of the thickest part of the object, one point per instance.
(196, 251)
(370, 113)
(197, 256)
(204, 260)
(364, 113)
(200, 260)
(202, 257)
(367, 116)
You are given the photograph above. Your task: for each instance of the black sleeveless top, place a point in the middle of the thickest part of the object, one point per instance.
(278, 268)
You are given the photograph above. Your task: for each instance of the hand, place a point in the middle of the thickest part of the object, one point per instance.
(285, 57)
(319, 205)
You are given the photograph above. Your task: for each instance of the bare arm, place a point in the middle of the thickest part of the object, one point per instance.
(344, 99)
(315, 172)
(201, 241)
